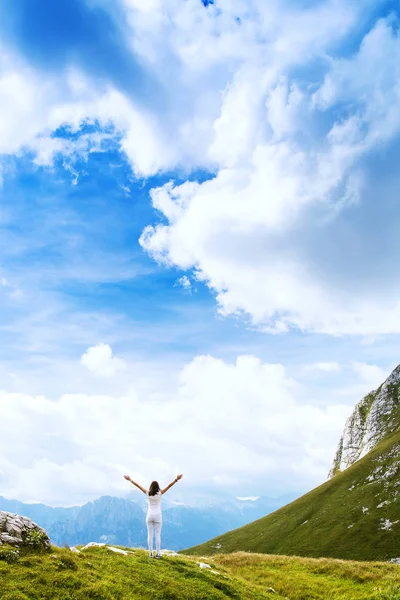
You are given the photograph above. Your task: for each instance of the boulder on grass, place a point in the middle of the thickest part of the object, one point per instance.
(21, 532)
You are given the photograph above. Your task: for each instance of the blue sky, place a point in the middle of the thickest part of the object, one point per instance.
(199, 239)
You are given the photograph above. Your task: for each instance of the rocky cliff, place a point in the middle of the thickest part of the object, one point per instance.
(373, 419)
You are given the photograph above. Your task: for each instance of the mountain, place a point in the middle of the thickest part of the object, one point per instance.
(44, 515)
(108, 519)
(122, 522)
(356, 513)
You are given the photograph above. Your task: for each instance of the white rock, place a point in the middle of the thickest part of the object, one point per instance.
(117, 550)
(14, 528)
(9, 539)
(387, 525)
(75, 550)
(204, 565)
(93, 545)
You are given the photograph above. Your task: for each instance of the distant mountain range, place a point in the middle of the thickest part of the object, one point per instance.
(354, 515)
(122, 521)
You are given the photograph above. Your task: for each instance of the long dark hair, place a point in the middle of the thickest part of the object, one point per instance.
(154, 488)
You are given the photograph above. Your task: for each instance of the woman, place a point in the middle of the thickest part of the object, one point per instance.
(154, 518)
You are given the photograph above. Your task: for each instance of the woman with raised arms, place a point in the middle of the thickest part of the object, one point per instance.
(154, 516)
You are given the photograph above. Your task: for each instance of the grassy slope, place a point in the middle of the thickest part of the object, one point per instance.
(295, 578)
(329, 520)
(99, 574)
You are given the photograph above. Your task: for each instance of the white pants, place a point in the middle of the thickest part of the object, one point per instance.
(154, 524)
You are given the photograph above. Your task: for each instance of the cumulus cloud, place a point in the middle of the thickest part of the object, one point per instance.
(271, 101)
(281, 178)
(178, 127)
(233, 424)
(101, 361)
(45, 104)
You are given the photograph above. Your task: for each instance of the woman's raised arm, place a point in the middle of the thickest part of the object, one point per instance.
(177, 478)
(136, 484)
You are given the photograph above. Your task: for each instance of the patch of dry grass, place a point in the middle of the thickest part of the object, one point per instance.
(315, 579)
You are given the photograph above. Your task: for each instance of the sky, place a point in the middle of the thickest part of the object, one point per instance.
(199, 240)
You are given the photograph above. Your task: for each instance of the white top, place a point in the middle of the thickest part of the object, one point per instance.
(154, 504)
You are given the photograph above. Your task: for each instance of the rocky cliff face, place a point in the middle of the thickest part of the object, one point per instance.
(374, 418)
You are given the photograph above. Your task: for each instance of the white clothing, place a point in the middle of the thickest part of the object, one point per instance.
(154, 521)
(154, 505)
(154, 529)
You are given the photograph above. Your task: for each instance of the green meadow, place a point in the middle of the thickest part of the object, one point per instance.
(100, 574)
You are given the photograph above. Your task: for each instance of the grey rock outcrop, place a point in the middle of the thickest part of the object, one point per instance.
(375, 417)
(20, 531)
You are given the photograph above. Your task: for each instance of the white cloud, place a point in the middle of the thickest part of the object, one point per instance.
(186, 127)
(185, 283)
(358, 379)
(258, 97)
(238, 424)
(244, 231)
(36, 105)
(100, 361)
(371, 375)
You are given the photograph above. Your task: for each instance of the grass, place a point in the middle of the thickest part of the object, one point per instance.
(343, 518)
(99, 574)
(315, 579)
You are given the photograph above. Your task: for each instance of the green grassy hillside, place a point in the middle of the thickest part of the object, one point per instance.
(99, 574)
(355, 515)
(102, 575)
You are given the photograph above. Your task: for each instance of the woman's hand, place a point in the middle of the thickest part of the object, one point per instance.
(127, 477)
(178, 477)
